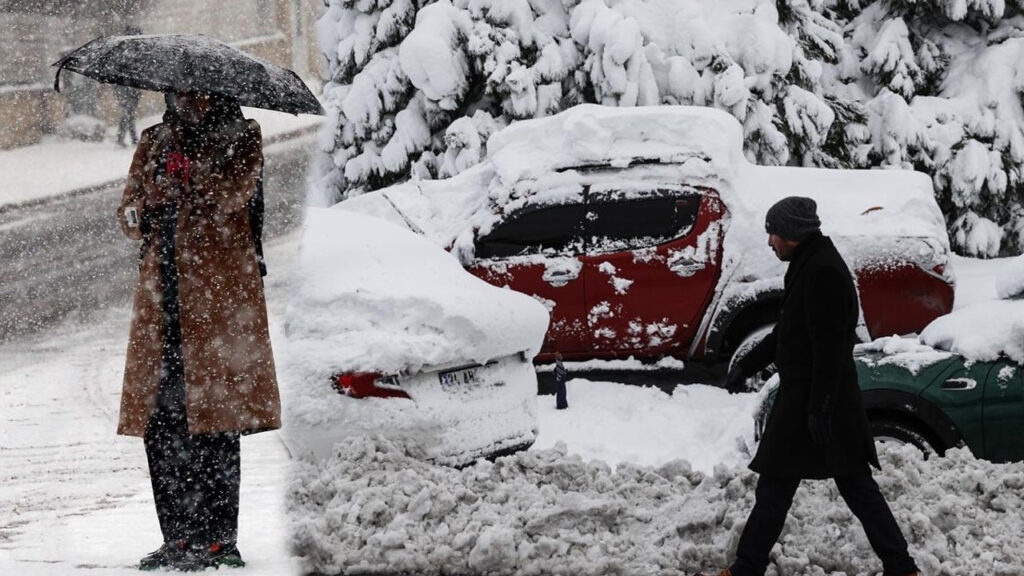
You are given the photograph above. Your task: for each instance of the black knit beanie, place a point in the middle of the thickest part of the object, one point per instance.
(793, 218)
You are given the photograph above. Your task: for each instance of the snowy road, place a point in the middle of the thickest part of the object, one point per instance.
(67, 259)
(74, 497)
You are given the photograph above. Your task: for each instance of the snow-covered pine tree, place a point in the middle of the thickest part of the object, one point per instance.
(420, 95)
(417, 86)
(943, 81)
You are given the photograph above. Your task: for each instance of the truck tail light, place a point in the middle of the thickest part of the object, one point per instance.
(368, 385)
(940, 271)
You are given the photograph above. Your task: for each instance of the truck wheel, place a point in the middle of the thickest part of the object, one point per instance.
(756, 381)
(900, 433)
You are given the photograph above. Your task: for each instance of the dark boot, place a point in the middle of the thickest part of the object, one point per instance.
(170, 555)
(217, 555)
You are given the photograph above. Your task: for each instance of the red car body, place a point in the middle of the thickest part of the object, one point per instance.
(614, 296)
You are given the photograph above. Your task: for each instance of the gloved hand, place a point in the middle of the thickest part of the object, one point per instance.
(736, 381)
(820, 427)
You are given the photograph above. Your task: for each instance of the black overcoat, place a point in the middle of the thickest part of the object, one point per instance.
(812, 347)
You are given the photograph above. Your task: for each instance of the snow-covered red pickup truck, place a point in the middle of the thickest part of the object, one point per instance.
(642, 231)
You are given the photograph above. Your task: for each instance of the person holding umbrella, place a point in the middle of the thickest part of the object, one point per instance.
(199, 370)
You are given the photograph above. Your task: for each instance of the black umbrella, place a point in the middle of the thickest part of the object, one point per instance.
(190, 63)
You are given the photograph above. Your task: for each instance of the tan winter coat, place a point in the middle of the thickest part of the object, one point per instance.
(230, 382)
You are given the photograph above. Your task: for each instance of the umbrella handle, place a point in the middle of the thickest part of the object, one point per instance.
(56, 79)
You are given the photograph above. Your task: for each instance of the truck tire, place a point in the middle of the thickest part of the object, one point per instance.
(898, 432)
(755, 381)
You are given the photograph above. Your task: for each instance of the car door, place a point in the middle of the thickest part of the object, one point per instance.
(536, 251)
(959, 393)
(1004, 412)
(652, 262)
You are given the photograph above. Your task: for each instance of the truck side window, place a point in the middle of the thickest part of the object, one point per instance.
(536, 230)
(631, 224)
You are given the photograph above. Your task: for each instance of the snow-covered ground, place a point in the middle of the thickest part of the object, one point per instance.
(75, 498)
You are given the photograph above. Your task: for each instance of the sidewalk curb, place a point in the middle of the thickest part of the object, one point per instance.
(269, 141)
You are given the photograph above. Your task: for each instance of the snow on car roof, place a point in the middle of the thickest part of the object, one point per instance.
(907, 353)
(980, 332)
(850, 202)
(708, 140)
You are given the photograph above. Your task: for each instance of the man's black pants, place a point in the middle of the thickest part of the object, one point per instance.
(774, 498)
(195, 477)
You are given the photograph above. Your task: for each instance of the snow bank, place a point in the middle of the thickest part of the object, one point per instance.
(616, 423)
(981, 332)
(375, 509)
(374, 297)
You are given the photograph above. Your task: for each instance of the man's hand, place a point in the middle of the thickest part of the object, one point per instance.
(820, 428)
(736, 381)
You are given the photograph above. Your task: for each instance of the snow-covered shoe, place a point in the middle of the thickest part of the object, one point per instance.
(219, 554)
(170, 555)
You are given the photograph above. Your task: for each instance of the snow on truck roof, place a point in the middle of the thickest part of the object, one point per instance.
(541, 161)
(709, 140)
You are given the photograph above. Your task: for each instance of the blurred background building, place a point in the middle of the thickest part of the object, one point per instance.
(36, 33)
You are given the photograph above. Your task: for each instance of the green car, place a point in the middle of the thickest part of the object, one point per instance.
(936, 399)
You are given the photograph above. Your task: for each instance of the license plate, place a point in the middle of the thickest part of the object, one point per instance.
(465, 377)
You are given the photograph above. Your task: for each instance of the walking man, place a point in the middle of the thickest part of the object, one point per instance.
(818, 427)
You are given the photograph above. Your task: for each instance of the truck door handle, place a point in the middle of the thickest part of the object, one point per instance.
(560, 275)
(685, 266)
(960, 384)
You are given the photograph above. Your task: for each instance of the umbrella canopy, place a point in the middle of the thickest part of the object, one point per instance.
(190, 63)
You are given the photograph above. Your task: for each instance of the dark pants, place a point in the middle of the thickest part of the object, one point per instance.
(195, 477)
(775, 496)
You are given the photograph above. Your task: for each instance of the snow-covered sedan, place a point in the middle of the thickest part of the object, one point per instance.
(388, 334)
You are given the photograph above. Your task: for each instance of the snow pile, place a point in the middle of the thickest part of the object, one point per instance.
(616, 423)
(981, 332)
(373, 297)
(374, 508)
